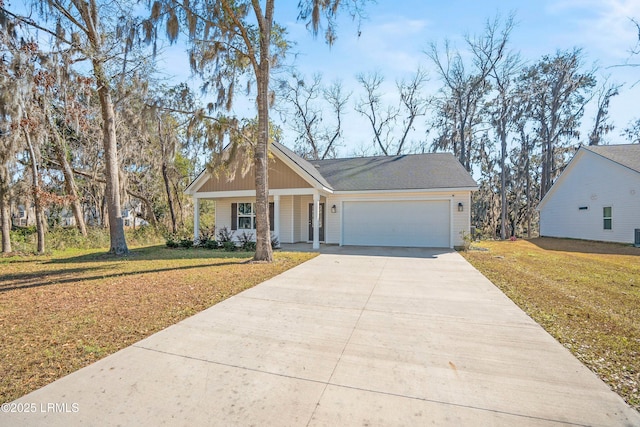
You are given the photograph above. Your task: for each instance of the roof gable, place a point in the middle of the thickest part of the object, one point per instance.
(626, 156)
(304, 166)
(280, 176)
(283, 173)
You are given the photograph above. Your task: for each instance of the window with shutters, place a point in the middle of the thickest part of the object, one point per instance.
(246, 216)
(243, 216)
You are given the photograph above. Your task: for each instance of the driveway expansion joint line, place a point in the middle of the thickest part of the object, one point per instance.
(306, 304)
(329, 383)
(362, 310)
(230, 365)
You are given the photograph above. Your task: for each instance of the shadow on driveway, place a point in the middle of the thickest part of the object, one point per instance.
(381, 251)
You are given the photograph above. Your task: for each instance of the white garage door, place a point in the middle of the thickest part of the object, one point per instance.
(396, 223)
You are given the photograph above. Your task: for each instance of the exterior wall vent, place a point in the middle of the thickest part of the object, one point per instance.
(583, 208)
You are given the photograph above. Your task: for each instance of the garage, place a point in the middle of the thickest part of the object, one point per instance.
(410, 223)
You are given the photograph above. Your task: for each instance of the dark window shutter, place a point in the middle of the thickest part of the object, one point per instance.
(272, 210)
(234, 216)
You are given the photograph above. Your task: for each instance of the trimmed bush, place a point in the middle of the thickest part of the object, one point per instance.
(186, 243)
(246, 242)
(229, 246)
(210, 244)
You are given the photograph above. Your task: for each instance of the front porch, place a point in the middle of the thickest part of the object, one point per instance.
(295, 216)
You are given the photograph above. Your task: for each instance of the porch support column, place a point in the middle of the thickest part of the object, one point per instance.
(276, 217)
(196, 219)
(316, 220)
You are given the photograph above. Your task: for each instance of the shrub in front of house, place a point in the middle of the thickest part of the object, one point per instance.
(209, 244)
(229, 246)
(246, 242)
(225, 235)
(186, 243)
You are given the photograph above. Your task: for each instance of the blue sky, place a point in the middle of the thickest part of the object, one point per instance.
(396, 34)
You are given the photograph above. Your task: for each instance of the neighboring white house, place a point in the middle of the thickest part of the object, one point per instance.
(597, 196)
(132, 215)
(22, 216)
(420, 200)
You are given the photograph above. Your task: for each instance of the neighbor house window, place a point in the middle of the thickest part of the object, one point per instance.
(606, 216)
(246, 216)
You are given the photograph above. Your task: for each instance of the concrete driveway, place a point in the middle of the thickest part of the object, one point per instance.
(358, 337)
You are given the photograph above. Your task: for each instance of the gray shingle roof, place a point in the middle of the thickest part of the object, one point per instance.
(411, 172)
(408, 172)
(627, 155)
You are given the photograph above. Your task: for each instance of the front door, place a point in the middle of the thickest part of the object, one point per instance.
(321, 225)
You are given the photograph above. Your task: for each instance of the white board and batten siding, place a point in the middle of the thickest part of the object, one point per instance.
(575, 205)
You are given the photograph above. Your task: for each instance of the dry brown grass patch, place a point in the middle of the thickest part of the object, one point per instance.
(63, 312)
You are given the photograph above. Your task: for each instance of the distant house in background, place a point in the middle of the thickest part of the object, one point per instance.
(62, 216)
(414, 200)
(597, 197)
(66, 218)
(23, 216)
(132, 215)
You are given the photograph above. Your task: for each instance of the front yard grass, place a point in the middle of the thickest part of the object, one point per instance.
(585, 294)
(62, 312)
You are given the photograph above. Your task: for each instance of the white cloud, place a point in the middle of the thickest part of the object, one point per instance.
(604, 27)
(395, 43)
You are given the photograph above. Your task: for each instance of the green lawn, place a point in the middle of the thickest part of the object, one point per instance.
(585, 294)
(62, 312)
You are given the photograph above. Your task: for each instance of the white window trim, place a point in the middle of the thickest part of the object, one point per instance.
(244, 215)
(610, 218)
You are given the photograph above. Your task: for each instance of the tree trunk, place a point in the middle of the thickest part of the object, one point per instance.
(104, 215)
(69, 182)
(503, 186)
(264, 252)
(528, 190)
(36, 194)
(502, 132)
(88, 11)
(167, 187)
(5, 218)
(165, 176)
(463, 146)
(179, 202)
(112, 193)
(151, 216)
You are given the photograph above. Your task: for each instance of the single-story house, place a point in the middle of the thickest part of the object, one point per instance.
(597, 196)
(420, 200)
